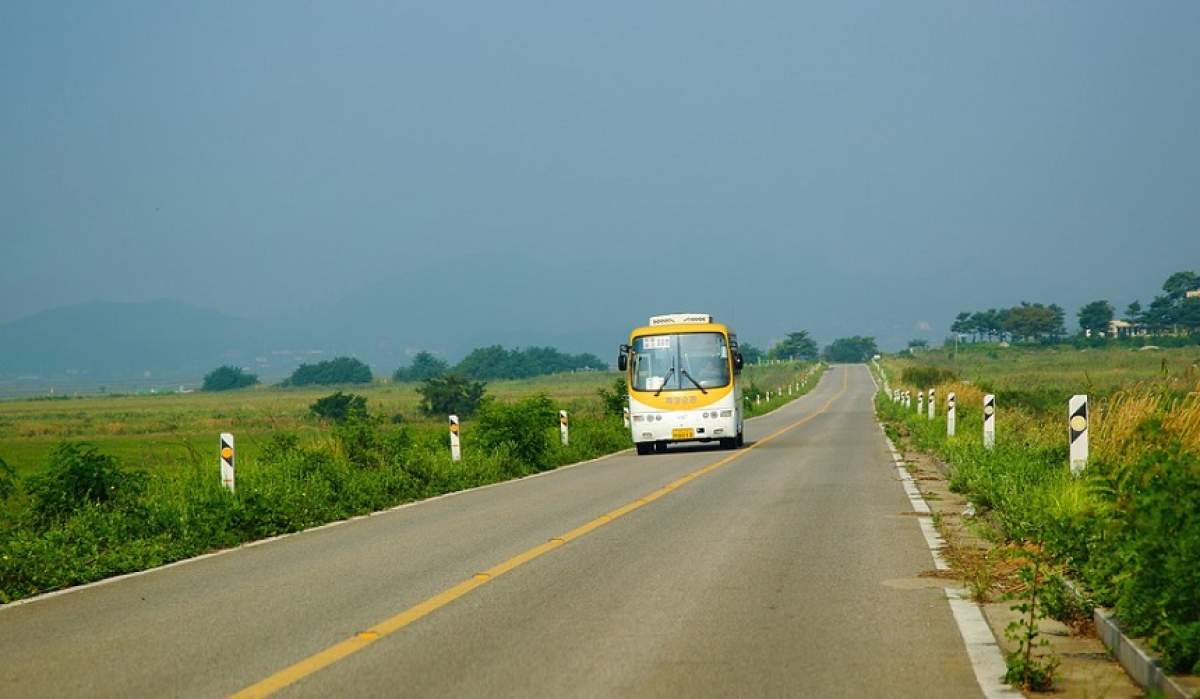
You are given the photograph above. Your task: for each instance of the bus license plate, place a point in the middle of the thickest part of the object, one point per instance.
(682, 433)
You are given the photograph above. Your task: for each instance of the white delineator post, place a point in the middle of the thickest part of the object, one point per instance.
(1077, 429)
(932, 396)
(951, 413)
(564, 427)
(227, 456)
(455, 444)
(625, 413)
(920, 401)
(989, 421)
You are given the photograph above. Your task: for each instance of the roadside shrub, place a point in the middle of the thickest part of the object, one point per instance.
(614, 399)
(339, 407)
(926, 376)
(8, 480)
(522, 427)
(78, 475)
(227, 378)
(450, 395)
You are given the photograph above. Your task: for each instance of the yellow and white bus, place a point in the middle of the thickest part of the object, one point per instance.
(683, 372)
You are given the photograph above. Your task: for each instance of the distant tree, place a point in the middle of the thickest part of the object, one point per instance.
(918, 343)
(1095, 317)
(1188, 314)
(1160, 314)
(226, 378)
(424, 366)
(339, 407)
(1133, 312)
(451, 394)
(851, 349)
(1033, 321)
(750, 353)
(962, 324)
(335, 371)
(1178, 284)
(797, 345)
(496, 362)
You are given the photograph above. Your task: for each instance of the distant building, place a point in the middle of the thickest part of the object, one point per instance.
(1122, 328)
(1193, 294)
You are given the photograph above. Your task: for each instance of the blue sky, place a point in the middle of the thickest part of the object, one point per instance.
(560, 171)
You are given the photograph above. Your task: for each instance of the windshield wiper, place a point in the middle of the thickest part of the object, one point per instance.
(665, 380)
(684, 374)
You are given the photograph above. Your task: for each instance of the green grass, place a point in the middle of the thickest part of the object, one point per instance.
(1129, 527)
(158, 431)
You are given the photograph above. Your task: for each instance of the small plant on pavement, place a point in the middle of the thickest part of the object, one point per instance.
(1027, 669)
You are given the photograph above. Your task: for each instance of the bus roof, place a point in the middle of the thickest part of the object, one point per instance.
(680, 328)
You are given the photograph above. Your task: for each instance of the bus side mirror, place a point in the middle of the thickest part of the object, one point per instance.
(738, 362)
(623, 358)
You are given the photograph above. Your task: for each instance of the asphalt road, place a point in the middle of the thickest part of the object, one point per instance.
(789, 568)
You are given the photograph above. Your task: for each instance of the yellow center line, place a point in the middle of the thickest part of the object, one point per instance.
(313, 663)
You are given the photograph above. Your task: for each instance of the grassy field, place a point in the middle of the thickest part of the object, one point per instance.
(165, 430)
(154, 431)
(1127, 528)
(1063, 369)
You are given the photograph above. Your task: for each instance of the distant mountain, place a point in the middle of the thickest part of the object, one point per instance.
(89, 344)
(103, 340)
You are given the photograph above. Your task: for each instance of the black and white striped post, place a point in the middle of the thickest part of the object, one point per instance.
(932, 395)
(920, 401)
(564, 427)
(455, 444)
(227, 460)
(989, 421)
(625, 414)
(951, 414)
(1077, 429)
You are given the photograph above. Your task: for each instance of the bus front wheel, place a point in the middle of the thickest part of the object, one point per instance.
(644, 448)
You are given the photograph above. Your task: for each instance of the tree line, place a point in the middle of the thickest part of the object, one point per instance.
(1026, 322)
(1172, 311)
(483, 364)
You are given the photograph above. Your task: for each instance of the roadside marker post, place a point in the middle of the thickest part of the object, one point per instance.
(932, 395)
(1077, 429)
(455, 444)
(227, 460)
(920, 401)
(564, 427)
(950, 414)
(625, 414)
(989, 421)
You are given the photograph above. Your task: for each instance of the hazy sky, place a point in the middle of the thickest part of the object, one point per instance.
(847, 167)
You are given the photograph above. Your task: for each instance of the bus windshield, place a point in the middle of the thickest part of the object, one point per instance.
(699, 360)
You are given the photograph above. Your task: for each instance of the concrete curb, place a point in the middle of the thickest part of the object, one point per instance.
(1137, 662)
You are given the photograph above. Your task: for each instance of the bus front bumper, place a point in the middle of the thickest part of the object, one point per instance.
(691, 426)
